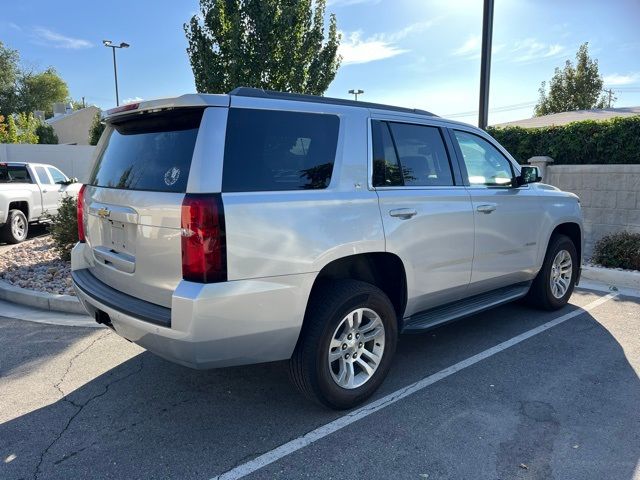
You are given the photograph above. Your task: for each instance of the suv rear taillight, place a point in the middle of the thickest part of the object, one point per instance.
(204, 246)
(81, 236)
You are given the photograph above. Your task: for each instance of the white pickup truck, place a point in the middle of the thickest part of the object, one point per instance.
(28, 192)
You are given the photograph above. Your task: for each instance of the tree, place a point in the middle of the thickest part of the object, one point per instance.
(96, 129)
(270, 44)
(576, 87)
(45, 134)
(39, 91)
(21, 129)
(78, 104)
(9, 72)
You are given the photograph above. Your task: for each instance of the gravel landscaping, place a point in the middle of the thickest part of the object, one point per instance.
(36, 265)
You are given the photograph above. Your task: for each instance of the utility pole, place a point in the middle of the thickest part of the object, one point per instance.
(112, 46)
(485, 63)
(356, 93)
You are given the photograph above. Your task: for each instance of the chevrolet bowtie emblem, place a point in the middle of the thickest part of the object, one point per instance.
(104, 212)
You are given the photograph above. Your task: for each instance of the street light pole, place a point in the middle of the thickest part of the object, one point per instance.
(356, 93)
(110, 44)
(485, 63)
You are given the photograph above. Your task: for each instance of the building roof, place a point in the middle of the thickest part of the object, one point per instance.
(66, 116)
(568, 117)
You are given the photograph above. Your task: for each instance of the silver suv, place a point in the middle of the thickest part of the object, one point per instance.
(222, 230)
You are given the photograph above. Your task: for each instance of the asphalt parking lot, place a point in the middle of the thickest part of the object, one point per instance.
(561, 401)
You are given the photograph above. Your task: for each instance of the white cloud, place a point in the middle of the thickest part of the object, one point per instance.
(617, 79)
(44, 36)
(532, 49)
(356, 49)
(470, 47)
(132, 100)
(15, 26)
(410, 30)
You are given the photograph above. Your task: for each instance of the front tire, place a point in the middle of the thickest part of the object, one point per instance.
(556, 279)
(16, 229)
(346, 345)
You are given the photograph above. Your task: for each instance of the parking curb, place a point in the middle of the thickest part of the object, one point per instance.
(611, 276)
(41, 300)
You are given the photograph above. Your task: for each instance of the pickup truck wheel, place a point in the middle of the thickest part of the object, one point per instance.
(16, 228)
(346, 345)
(556, 279)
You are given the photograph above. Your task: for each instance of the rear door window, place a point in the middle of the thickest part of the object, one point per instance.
(268, 150)
(149, 151)
(386, 168)
(14, 174)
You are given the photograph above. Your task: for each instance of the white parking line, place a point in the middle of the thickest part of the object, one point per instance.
(294, 445)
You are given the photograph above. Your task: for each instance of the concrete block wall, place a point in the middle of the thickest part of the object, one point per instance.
(609, 195)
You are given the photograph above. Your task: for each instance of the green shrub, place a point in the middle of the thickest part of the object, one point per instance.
(64, 227)
(586, 142)
(46, 135)
(619, 250)
(96, 129)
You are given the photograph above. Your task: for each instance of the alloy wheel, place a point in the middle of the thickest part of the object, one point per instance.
(356, 349)
(561, 274)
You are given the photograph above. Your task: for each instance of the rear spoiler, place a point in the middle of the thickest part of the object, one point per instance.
(189, 100)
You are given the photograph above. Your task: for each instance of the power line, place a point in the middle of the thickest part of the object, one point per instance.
(504, 108)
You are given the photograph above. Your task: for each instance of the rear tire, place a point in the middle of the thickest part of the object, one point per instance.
(556, 279)
(16, 229)
(344, 318)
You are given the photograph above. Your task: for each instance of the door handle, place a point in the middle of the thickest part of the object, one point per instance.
(45, 191)
(403, 213)
(486, 208)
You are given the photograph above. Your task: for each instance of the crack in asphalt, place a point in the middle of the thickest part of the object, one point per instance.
(81, 406)
(70, 364)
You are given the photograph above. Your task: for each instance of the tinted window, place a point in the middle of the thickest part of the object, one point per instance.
(42, 175)
(422, 155)
(14, 174)
(268, 150)
(386, 169)
(484, 162)
(149, 152)
(57, 175)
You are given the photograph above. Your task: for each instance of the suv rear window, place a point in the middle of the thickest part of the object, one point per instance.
(14, 174)
(149, 151)
(268, 150)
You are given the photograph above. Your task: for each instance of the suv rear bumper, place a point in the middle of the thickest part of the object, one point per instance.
(212, 325)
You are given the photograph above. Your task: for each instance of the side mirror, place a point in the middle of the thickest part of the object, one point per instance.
(68, 182)
(528, 174)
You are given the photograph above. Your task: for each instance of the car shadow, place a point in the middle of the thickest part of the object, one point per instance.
(26, 345)
(148, 418)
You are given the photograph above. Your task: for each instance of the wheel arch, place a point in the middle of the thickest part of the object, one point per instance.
(21, 205)
(383, 269)
(573, 230)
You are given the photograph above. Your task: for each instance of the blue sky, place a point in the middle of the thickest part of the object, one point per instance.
(415, 53)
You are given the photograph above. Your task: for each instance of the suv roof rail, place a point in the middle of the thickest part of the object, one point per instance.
(299, 97)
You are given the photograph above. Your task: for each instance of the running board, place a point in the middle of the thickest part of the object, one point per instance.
(463, 308)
